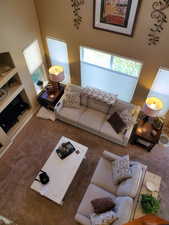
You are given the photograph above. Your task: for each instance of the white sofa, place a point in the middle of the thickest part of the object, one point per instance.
(124, 195)
(92, 116)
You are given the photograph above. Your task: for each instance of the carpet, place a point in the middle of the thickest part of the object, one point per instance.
(30, 150)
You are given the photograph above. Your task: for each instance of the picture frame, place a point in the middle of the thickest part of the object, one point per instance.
(117, 16)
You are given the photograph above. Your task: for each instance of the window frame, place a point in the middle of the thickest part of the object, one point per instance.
(42, 65)
(111, 61)
(68, 63)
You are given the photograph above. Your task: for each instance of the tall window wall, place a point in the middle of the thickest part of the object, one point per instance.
(110, 73)
(59, 56)
(35, 65)
(160, 88)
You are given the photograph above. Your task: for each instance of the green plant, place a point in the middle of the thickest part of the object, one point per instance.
(149, 204)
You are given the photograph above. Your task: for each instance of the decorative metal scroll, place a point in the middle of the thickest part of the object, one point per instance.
(158, 14)
(76, 7)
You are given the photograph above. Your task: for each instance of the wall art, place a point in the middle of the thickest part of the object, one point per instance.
(76, 8)
(115, 15)
(158, 14)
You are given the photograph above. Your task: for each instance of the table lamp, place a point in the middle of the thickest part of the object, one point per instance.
(152, 106)
(56, 75)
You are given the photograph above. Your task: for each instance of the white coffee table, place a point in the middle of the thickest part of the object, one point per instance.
(61, 172)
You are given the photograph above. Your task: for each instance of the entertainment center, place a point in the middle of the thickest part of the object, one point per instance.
(15, 108)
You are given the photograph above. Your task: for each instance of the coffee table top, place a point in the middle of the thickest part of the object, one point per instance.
(61, 172)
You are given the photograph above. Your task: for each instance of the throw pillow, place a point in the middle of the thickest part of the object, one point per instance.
(117, 122)
(127, 117)
(106, 218)
(72, 99)
(102, 205)
(121, 169)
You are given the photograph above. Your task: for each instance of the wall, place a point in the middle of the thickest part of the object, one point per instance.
(56, 21)
(18, 28)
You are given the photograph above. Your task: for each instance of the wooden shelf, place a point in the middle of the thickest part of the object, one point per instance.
(7, 76)
(12, 93)
(23, 119)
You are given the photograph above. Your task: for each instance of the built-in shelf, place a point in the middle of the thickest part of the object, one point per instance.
(22, 120)
(12, 93)
(7, 76)
(15, 108)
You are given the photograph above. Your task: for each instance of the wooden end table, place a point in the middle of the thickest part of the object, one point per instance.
(49, 102)
(145, 134)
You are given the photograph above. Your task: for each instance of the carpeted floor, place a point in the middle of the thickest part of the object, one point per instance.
(32, 147)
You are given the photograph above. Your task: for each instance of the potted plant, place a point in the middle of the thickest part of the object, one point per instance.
(149, 204)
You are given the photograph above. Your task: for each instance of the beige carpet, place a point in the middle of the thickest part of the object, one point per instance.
(32, 147)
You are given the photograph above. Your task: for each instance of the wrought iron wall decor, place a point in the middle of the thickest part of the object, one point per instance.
(158, 14)
(76, 7)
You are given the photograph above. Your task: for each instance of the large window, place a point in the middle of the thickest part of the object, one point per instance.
(35, 65)
(110, 73)
(160, 88)
(59, 56)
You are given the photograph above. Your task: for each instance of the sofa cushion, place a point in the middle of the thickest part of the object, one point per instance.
(92, 119)
(109, 132)
(119, 106)
(106, 218)
(102, 176)
(72, 114)
(98, 105)
(85, 220)
(92, 192)
(130, 186)
(101, 205)
(123, 209)
(121, 169)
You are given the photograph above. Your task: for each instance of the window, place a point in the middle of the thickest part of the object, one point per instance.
(35, 65)
(110, 73)
(160, 89)
(59, 56)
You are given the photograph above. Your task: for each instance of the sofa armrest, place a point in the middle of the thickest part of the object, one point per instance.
(129, 131)
(82, 219)
(110, 156)
(59, 105)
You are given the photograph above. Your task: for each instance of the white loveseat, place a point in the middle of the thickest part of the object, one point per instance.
(124, 195)
(92, 116)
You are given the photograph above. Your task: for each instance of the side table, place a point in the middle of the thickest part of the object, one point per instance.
(145, 134)
(48, 101)
(156, 180)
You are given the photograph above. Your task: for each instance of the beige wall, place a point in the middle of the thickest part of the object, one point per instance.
(18, 28)
(56, 21)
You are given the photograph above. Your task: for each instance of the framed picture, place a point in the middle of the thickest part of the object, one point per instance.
(116, 15)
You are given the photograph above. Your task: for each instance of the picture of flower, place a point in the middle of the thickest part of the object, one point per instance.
(116, 15)
(115, 12)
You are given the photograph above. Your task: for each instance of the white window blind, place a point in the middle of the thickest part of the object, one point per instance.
(33, 56)
(114, 74)
(160, 88)
(59, 56)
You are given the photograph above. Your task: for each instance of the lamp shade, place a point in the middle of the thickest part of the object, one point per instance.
(56, 74)
(152, 106)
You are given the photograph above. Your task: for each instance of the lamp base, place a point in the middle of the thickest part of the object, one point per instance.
(52, 88)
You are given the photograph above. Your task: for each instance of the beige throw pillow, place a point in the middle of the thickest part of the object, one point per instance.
(106, 218)
(127, 117)
(121, 169)
(72, 99)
